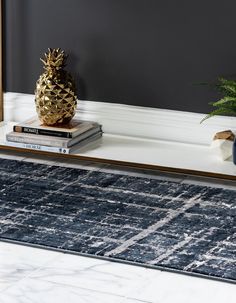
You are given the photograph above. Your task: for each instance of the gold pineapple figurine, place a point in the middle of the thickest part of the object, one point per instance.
(55, 94)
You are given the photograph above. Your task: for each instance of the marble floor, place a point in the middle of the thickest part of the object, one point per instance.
(29, 275)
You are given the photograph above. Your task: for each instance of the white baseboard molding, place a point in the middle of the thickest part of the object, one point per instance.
(134, 121)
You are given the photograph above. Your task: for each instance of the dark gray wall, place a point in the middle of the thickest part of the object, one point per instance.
(139, 52)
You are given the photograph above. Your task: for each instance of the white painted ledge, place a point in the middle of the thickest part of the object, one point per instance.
(142, 135)
(134, 121)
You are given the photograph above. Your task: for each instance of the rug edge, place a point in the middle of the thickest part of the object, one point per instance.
(111, 259)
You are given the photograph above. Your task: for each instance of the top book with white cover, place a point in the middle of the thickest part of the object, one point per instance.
(73, 129)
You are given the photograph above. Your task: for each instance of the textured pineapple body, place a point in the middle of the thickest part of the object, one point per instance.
(55, 98)
(55, 94)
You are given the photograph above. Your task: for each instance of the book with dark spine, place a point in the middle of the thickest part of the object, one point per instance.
(50, 140)
(71, 130)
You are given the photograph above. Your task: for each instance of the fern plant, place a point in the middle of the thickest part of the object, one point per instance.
(227, 104)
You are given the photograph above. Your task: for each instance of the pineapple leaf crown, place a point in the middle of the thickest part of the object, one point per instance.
(54, 59)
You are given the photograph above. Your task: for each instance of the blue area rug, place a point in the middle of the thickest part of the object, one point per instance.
(162, 224)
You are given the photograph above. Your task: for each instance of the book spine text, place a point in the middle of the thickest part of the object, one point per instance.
(37, 140)
(39, 147)
(37, 131)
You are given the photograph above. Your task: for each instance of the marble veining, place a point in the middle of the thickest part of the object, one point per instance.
(156, 222)
(59, 277)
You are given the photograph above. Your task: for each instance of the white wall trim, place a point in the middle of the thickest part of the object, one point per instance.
(134, 121)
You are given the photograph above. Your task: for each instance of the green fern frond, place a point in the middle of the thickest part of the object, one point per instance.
(229, 86)
(219, 111)
(229, 89)
(224, 101)
(225, 81)
(227, 104)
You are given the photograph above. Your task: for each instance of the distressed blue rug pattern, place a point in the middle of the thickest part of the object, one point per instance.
(163, 224)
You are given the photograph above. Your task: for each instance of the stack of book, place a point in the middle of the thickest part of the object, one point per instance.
(32, 134)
